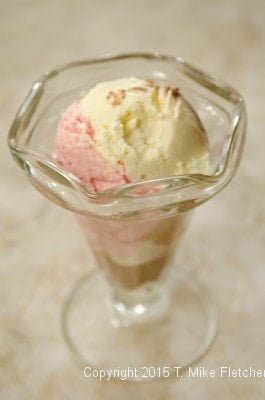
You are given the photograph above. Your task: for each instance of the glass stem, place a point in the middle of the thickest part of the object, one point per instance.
(135, 305)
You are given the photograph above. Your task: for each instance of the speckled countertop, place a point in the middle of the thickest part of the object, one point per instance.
(41, 258)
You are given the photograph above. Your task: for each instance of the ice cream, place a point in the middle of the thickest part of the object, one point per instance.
(134, 253)
(128, 130)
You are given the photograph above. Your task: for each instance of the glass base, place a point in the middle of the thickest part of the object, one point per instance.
(149, 347)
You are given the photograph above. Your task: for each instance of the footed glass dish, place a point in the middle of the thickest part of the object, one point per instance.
(137, 310)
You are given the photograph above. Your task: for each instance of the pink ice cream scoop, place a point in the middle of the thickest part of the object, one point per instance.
(128, 130)
(80, 155)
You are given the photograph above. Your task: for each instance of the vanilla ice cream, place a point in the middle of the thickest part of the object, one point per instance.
(128, 130)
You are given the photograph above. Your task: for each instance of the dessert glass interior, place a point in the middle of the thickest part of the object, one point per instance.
(138, 311)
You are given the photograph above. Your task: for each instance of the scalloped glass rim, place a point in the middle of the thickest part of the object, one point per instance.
(208, 185)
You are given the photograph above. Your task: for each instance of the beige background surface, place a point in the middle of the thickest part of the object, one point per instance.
(42, 249)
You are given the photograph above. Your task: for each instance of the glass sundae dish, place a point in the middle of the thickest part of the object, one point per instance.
(138, 310)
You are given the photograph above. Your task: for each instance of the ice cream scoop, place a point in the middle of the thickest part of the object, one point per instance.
(128, 130)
